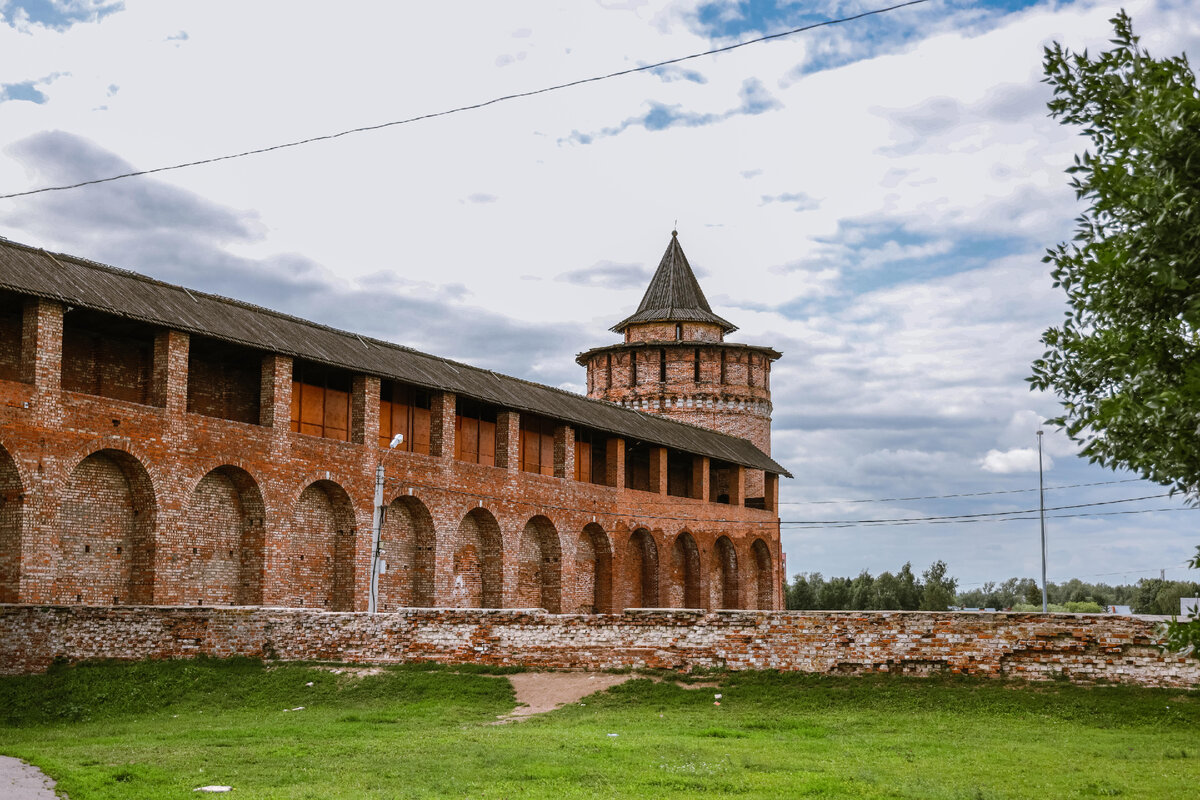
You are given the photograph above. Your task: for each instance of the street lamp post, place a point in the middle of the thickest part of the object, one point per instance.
(377, 527)
(1042, 514)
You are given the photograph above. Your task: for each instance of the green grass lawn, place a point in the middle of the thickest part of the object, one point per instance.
(159, 730)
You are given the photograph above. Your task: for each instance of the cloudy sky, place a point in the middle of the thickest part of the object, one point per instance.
(872, 199)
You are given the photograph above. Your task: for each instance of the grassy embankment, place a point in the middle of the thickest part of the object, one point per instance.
(158, 730)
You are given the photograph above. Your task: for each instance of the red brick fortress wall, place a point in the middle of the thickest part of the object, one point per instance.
(144, 484)
(1033, 646)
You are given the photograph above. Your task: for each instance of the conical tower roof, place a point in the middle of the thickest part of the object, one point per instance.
(674, 295)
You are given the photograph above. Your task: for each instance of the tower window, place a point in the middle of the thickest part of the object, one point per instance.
(608, 371)
(633, 367)
(662, 366)
(696, 366)
(722, 367)
(678, 331)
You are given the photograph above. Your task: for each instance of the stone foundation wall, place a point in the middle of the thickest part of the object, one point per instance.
(1033, 646)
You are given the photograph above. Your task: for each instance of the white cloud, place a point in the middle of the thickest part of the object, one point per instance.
(908, 303)
(1019, 459)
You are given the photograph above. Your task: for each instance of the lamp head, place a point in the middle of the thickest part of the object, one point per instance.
(396, 440)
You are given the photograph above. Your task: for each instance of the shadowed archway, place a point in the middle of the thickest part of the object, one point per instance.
(478, 562)
(684, 591)
(323, 547)
(723, 588)
(642, 570)
(593, 572)
(106, 522)
(221, 558)
(408, 544)
(539, 567)
(11, 496)
(763, 580)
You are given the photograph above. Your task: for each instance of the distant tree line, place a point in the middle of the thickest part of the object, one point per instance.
(902, 591)
(934, 590)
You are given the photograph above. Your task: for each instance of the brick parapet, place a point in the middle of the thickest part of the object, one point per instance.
(1081, 648)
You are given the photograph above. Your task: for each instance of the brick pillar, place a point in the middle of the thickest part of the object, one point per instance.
(41, 358)
(169, 383)
(508, 440)
(275, 393)
(41, 367)
(364, 412)
(168, 390)
(441, 424)
(737, 485)
(564, 452)
(700, 478)
(771, 492)
(658, 470)
(614, 462)
(275, 413)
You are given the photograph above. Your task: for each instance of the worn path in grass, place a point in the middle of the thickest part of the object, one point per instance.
(19, 781)
(541, 692)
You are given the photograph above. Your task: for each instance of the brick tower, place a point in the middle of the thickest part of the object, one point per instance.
(675, 361)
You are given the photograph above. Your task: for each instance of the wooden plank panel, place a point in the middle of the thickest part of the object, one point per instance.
(547, 455)
(337, 414)
(420, 430)
(530, 450)
(312, 406)
(583, 462)
(487, 443)
(386, 431)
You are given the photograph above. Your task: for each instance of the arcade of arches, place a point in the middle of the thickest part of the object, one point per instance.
(226, 543)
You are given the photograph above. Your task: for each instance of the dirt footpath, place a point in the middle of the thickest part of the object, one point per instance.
(19, 781)
(545, 691)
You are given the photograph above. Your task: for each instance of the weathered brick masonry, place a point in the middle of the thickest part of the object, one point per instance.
(1032, 646)
(159, 446)
(675, 361)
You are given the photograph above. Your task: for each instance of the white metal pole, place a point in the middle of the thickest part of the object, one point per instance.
(1042, 510)
(376, 531)
(377, 528)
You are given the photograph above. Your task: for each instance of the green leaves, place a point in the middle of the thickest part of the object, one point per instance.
(1124, 362)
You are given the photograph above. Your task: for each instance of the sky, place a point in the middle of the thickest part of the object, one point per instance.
(873, 199)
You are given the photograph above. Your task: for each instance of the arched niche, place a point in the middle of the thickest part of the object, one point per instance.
(478, 562)
(106, 522)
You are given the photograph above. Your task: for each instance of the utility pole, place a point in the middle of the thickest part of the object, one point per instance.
(377, 528)
(1042, 510)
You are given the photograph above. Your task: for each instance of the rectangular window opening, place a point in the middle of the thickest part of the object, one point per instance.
(637, 466)
(106, 355)
(404, 410)
(224, 380)
(321, 400)
(475, 432)
(12, 324)
(591, 456)
(537, 444)
(679, 473)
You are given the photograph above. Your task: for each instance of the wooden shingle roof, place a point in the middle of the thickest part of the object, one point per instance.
(87, 284)
(674, 294)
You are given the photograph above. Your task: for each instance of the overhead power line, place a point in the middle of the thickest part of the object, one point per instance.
(473, 106)
(933, 521)
(947, 496)
(971, 516)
